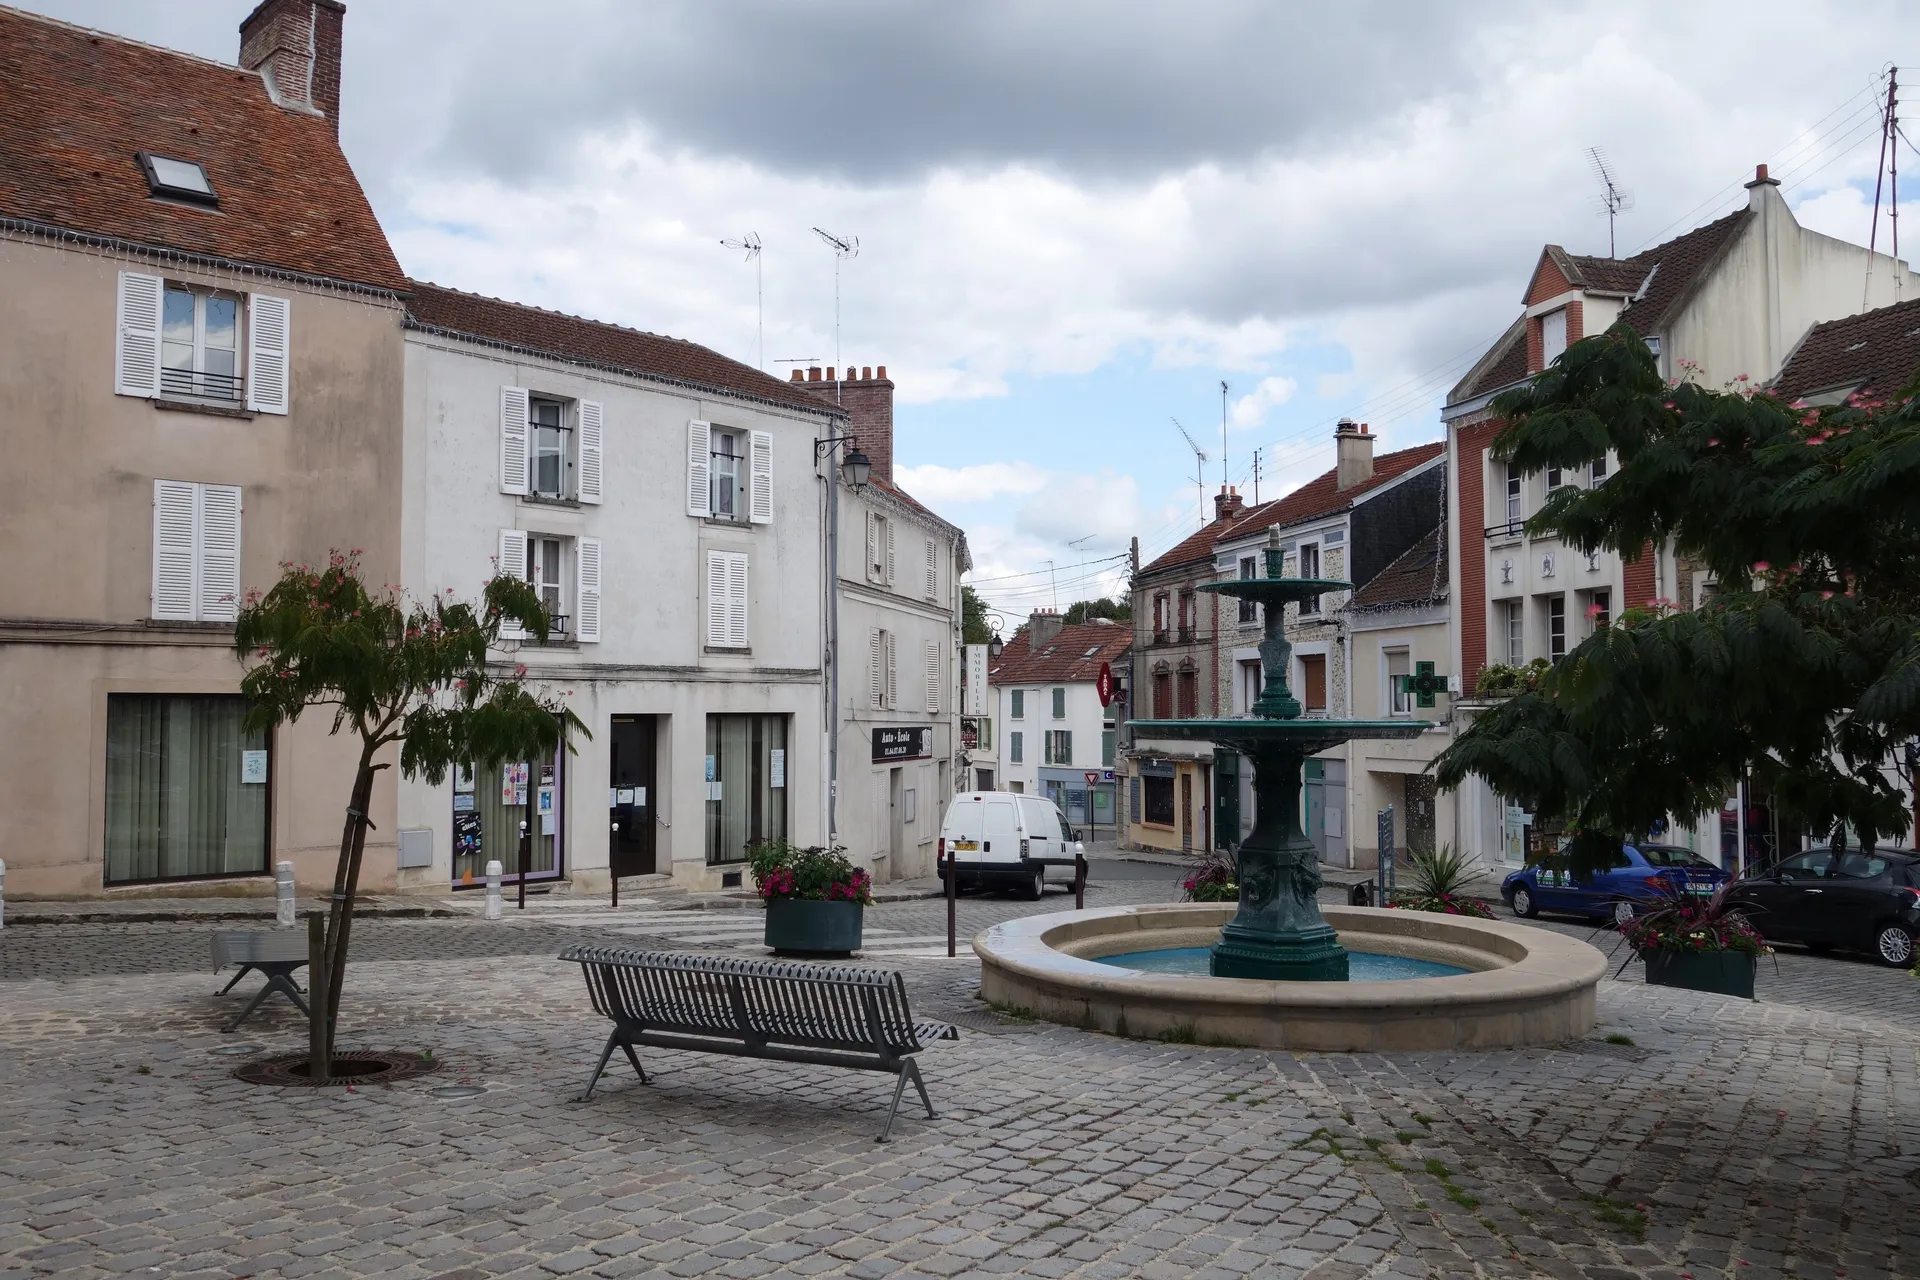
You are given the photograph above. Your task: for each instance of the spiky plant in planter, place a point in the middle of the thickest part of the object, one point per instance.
(1438, 881)
(1213, 878)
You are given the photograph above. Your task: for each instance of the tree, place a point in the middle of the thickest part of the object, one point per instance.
(974, 628)
(1805, 666)
(395, 671)
(1087, 610)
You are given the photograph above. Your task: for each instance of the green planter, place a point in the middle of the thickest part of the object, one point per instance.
(1728, 973)
(813, 929)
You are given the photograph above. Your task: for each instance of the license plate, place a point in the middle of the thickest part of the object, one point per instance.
(966, 846)
(1704, 890)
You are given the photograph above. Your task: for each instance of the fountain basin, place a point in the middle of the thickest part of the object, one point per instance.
(1524, 986)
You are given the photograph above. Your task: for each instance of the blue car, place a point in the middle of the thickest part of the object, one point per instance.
(1640, 874)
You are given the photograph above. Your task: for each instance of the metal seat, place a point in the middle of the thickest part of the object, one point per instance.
(818, 1014)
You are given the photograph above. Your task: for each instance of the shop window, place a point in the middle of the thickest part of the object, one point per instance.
(1158, 798)
(489, 805)
(187, 788)
(746, 780)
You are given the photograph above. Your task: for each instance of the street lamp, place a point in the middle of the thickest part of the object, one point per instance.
(996, 646)
(858, 469)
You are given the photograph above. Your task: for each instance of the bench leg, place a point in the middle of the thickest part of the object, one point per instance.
(258, 996)
(899, 1087)
(635, 1060)
(601, 1066)
(244, 970)
(913, 1070)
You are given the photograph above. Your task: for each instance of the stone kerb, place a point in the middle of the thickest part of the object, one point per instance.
(1528, 986)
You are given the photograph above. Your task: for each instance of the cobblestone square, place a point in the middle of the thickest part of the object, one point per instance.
(1709, 1137)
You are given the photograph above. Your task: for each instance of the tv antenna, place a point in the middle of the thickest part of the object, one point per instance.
(750, 243)
(843, 247)
(1077, 542)
(1612, 201)
(1223, 433)
(1199, 463)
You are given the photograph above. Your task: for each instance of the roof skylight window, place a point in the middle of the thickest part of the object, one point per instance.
(177, 179)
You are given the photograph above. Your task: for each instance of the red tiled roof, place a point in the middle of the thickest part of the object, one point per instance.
(1318, 497)
(596, 342)
(1878, 350)
(1073, 655)
(1195, 548)
(75, 105)
(1418, 576)
(1658, 281)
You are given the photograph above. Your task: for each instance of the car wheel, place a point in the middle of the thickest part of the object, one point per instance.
(1894, 946)
(1523, 904)
(1624, 912)
(1038, 885)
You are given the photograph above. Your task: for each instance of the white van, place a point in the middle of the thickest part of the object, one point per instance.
(1001, 838)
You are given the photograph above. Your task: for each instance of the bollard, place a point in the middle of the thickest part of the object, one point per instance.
(953, 881)
(283, 913)
(3, 893)
(1079, 882)
(494, 871)
(612, 875)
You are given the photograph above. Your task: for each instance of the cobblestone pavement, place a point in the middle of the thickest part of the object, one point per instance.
(1730, 1138)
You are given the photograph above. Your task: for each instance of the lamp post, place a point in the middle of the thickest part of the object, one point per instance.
(857, 469)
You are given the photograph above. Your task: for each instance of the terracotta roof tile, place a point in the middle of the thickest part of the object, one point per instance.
(1195, 548)
(1318, 497)
(75, 105)
(596, 342)
(1419, 576)
(1878, 350)
(1073, 655)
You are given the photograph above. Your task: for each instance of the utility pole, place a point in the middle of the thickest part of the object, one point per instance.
(1223, 435)
(1256, 477)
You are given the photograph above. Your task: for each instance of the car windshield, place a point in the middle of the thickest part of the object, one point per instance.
(1668, 856)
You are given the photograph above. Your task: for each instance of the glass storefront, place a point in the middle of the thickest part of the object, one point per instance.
(489, 805)
(746, 780)
(187, 788)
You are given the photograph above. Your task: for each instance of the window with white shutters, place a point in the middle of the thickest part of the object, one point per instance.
(136, 362)
(877, 668)
(586, 607)
(889, 579)
(513, 439)
(699, 468)
(269, 346)
(933, 570)
(512, 564)
(761, 480)
(589, 416)
(893, 675)
(196, 551)
(933, 675)
(876, 537)
(726, 600)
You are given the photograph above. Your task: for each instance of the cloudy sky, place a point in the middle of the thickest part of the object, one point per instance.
(1077, 219)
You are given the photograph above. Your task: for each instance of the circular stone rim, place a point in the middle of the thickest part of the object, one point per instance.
(278, 1070)
(1543, 990)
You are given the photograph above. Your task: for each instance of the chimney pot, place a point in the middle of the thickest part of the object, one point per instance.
(1042, 627)
(1761, 178)
(813, 374)
(866, 374)
(1759, 173)
(798, 376)
(882, 373)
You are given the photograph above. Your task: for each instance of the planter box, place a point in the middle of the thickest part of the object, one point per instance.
(813, 929)
(1729, 973)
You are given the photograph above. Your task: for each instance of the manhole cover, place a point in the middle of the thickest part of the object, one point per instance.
(237, 1050)
(348, 1068)
(458, 1091)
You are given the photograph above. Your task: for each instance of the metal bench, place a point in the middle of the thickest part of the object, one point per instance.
(276, 954)
(819, 1014)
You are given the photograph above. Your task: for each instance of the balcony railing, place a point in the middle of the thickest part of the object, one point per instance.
(1186, 635)
(1508, 529)
(223, 387)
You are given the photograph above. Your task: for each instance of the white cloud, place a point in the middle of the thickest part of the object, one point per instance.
(1250, 410)
(939, 486)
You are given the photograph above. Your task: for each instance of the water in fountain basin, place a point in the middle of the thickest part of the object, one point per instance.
(1362, 966)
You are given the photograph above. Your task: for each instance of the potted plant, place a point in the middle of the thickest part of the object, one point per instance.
(1699, 944)
(815, 898)
(1214, 878)
(1439, 880)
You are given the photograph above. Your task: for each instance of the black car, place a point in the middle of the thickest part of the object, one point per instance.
(1864, 901)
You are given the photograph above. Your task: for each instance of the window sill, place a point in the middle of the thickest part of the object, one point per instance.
(212, 408)
(539, 500)
(729, 650)
(726, 522)
(531, 643)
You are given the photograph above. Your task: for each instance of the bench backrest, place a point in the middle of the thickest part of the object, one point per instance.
(757, 1001)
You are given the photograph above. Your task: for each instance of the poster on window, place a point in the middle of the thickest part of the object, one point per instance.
(777, 767)
(513, 783)
(466, 835)
(462, 778)
(253, 767)
(463, 803)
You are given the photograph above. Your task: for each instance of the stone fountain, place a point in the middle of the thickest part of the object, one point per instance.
(1278, 931)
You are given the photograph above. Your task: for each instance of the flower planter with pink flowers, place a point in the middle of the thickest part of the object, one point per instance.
(816, 899)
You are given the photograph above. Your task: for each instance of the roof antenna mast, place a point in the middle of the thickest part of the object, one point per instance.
(843, 247)
(1199, 465)
(750, 242)
(1611, 201)
(1223, 435)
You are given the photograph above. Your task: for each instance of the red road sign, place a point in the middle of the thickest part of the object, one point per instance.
(1093, 778)
(1104, 683)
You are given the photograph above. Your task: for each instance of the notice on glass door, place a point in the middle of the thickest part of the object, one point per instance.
(253, 766)
(777, 767)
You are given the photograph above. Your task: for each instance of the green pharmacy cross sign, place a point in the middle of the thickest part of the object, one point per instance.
(1422, 684)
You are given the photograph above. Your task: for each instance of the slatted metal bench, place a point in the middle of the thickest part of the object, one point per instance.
(277, 954)
(824, 1015)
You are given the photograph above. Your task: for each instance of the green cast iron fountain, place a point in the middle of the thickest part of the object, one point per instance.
(1278, 931)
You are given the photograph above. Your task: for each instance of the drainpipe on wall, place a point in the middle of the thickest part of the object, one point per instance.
(833, 652)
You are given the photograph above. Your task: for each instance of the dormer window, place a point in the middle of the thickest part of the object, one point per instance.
(177, 179)
(1553, 336)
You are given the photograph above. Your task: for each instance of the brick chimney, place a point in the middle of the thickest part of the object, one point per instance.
(1042, 626)
(295, 46)
(866, 397)
(1228, 503)
(1353, 446)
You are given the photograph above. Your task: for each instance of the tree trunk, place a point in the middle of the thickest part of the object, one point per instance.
(346, 881)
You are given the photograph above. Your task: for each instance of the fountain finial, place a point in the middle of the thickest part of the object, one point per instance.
(1275, 562)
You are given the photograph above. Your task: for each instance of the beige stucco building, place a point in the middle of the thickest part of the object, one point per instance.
(201, 377)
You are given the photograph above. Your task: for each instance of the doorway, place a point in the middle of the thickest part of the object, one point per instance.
(631, 797)
(896, 821)
(1420, 815)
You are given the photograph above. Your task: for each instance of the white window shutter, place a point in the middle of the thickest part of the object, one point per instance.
(873, 546)
(933, 571)
(513, 563)
(591, 450)
(933, 675)
(737, 600)
(514, 469)
(586, 608)
(219, 559)
(893, 674)
(700, 470)
(269, 341)
(877, 667)
(761, 508)
(175, 525)
(889, 553)
(136, 355)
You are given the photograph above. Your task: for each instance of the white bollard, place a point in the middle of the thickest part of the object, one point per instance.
(283, 913)
(494, 871)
